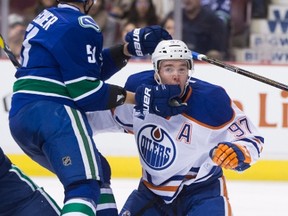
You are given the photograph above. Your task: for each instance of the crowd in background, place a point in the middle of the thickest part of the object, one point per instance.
(211, 27)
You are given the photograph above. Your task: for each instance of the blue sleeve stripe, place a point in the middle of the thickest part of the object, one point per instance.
(122, 123)
(254, 143)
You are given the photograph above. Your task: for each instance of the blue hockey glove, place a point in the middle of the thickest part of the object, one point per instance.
(160, 100)
(142, 41)
(231, 156)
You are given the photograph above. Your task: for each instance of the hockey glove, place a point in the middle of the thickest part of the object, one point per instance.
(143, 41)
(231, 156)
(160, 100)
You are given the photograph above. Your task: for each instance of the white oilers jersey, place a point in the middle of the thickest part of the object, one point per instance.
(175, 151)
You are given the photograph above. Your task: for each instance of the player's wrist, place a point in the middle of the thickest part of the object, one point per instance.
(125, 50)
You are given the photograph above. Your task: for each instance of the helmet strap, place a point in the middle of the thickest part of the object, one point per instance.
(157, 77)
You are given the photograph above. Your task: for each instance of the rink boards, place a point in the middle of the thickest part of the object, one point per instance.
(129, 167)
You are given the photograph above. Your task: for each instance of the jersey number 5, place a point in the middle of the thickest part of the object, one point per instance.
(91, 53)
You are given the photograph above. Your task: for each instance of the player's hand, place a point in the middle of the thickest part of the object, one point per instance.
(143, 41)
(231, 156)
(161, 100)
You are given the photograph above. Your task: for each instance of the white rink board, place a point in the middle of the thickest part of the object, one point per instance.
(256, 98)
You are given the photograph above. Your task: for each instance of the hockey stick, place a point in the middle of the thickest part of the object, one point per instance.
(234, 69)
(9, 53)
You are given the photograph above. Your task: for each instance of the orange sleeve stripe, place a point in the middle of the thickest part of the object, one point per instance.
(209, 126)
(161, 188)
(226, 197)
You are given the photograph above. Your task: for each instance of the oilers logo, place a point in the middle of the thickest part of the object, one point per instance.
(156, 147)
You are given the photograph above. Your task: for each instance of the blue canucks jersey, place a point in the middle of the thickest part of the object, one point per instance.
(63, 61)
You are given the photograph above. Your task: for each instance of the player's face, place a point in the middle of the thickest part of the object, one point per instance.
(174, 72)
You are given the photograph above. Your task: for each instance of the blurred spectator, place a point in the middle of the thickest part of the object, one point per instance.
(203, 31)
(240, 22)
(119, 8)
(142, 13)
(259, 8)
(30, 8)
(16, 31)
(42, 4)
(163, 8)
(169, 24)
(23, 8)
(127, 27)
(221, 7)
(109, 26)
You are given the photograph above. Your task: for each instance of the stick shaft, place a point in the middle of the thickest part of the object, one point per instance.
(235, 69)
(9, 53)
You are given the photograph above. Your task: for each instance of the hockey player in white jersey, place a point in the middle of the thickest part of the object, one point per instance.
(63, 73)
(182, 155)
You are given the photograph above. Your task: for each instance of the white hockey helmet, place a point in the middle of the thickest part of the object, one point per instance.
(171, 50)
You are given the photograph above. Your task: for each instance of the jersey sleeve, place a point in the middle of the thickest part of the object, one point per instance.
(80, 61)
(113, 60)
(119, 119)
(243, 132)
(137, 79)
(209, 104)
(211, 107)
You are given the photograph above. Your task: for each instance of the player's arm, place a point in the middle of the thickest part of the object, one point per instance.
(119, 119)
(139, 42)
(114, 59)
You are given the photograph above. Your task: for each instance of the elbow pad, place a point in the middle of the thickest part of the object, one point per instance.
(117, 96)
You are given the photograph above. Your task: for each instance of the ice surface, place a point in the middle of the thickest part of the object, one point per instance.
(248, 198)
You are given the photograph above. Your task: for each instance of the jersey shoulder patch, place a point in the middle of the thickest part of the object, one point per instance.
(88, 22)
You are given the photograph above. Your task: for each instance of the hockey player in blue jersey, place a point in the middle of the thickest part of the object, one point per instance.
(63, 76)
(19, 195)
(182, 155)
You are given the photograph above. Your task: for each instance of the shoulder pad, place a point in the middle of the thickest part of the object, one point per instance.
(137, 79)
(88, 22)
(210, 105)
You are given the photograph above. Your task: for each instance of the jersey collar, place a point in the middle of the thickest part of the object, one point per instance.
(64, 5)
